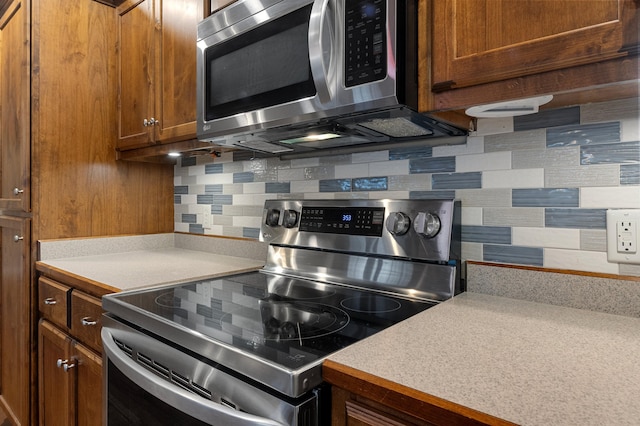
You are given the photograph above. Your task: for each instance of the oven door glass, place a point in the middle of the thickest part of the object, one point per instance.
(266, 66)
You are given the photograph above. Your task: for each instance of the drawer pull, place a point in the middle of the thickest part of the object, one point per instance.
(64, 364)
(17, 238)
(87, 321)
(50, 301)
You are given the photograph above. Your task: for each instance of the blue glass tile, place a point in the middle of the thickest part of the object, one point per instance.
(630, 174)
(226, 200)
(546, 197)
(435, 195)
(486, 234)
(547, 118)
(211, 169)
(587, 134)
(575, 218)
(189, 218)
(370, 184)
(243, 177)
(181, 189)
(620, 153)
(467, 180)
(187, 161)
(408, 153)
(251, 232)
(203, 310)
(432, 165)
(533, 256)
(196, 229)
(205, 199)
(177, 199)
(216, 209)
(278, 187)
(213, 189)
(335, 185)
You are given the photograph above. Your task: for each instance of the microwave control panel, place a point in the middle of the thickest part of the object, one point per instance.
(365, 41)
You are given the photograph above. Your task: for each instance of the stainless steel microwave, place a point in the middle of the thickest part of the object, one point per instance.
(284, 76)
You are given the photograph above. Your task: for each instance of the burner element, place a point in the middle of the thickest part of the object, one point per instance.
(370, 304)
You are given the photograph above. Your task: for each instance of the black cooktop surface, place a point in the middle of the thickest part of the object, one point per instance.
(286, 321)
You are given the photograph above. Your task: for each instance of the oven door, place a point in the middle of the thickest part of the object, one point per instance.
(149, 382)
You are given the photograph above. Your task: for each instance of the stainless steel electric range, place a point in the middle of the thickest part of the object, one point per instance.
(247, 349)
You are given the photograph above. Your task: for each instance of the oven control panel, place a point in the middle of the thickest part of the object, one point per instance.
(420, 229)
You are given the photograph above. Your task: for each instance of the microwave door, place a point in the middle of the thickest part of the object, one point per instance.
(323, 41)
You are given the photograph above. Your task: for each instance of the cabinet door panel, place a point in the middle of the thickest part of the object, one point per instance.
(56, 384)
(15, 317)
(480, 41)
(89, 386)
(176, 84)
(136, 72)
(14, 114)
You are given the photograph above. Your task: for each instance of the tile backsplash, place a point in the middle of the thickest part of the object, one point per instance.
(534, 189)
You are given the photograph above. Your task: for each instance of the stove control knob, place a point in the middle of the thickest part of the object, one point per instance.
(290, 218)
(427, 224)
(398, 223)
(273, 217)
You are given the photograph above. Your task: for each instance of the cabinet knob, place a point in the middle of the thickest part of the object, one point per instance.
(64, 364)
(17, 238)
(50, 301)
(87, 321)
(150, 122)
(17, 191)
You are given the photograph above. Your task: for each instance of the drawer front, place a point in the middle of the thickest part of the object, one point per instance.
(86, 319)
(52, 301)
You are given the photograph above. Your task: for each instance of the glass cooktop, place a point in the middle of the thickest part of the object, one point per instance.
(287, 321)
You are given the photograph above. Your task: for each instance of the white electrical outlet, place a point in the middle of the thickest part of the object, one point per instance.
(622, 235)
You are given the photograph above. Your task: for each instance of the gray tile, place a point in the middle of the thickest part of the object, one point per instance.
(334, 160)
(620, 153)
(533, 256)
(251, 233)
(195, 229)
(593, 240)
(205, 198)
(177, 199)
(432, 165)
(521, 216)
(216, 209)
(214, 189)
(243, 177)
(417, 182)
(235, 167)
(189, 218)
(586, 134)
(221, 199)
(187, 161)
(575, 218)
(409, 153)
(546, 197)
(232, 188)
(181, 190)
(630, 174)
(545, 158)
(467, 180)
(494, 197)
(277, 187)
(529, 139)
(610, 111)
(486, 234)
(547, 118)
(582, 176)
(435, 195)
(370, 184)
(319, 172)
(211, 169)
(335, 185)
(267, 175)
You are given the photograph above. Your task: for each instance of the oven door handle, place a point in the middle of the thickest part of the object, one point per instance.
(173, 395)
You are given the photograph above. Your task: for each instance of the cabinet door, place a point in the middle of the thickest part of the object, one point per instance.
(56, 386)
(15, 319)
(175, 106)
(88, 386)
(481, 41)
(14, 112)
(136, 72)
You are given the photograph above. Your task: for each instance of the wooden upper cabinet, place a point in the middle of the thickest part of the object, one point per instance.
(15, 142)
(157, 71)
(483, 41)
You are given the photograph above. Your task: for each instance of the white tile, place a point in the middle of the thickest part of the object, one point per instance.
(181, 227)
(492, 126)
(389, 168)
(189, 199)
(480, 162)
(625, 197)
(630, 129)
(196, 170)
(351, 170)
(305, 186)
(247, 221)
(216, 178)
(369, 157)
(474, 145)
(320, 195)
(546, 237)
(471, 216)
(591, 261)
(472, 251)
(521, 178)
(252, 199)
(394, 195)
(253, 188)
(288, 175)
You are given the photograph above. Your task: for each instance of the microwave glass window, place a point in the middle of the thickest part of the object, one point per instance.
(270, 64)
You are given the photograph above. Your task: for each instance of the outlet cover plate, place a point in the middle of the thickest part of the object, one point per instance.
(623, 228)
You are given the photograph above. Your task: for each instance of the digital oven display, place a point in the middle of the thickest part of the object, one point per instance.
(367, 221)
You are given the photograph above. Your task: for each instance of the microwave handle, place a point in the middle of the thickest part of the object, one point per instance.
(175, 396)
(320, 12)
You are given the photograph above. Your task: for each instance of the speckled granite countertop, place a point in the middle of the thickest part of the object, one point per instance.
(525, 362)
(124, 263)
